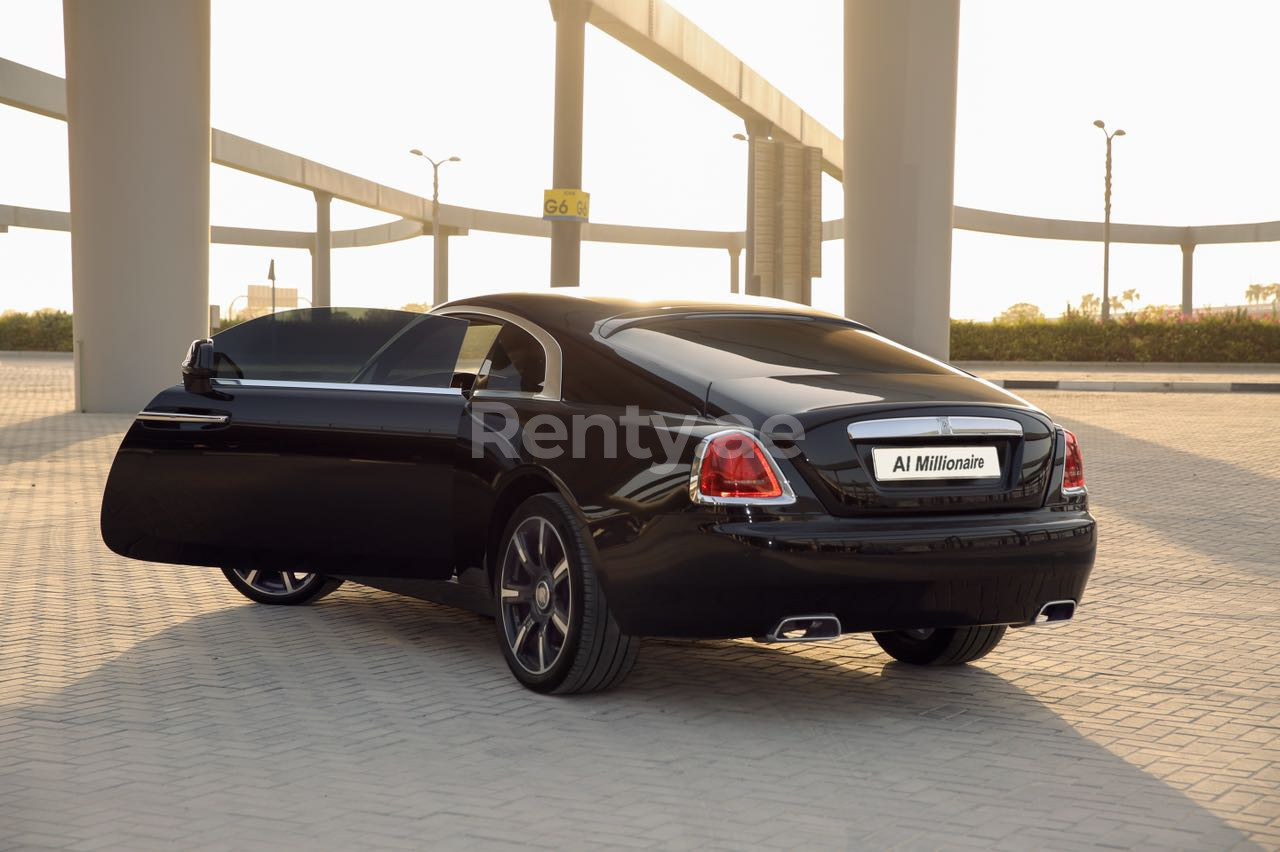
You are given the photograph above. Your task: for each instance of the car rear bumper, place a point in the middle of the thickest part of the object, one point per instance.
(705, 576)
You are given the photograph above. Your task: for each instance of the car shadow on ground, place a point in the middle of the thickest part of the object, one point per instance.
(728, 742)
(1199, 502)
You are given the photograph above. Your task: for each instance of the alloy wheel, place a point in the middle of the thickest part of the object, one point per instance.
(277, 583)
(536, 595)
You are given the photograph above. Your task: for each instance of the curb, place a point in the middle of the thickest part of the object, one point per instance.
(1138, 387)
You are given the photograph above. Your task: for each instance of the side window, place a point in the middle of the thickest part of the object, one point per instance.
(516, 362)
(503, 357)
(476, 345)
(368, 345)
(422, 354)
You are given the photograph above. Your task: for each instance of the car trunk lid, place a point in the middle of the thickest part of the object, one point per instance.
(933, 428)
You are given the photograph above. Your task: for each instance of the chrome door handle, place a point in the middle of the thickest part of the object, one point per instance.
(179, 417)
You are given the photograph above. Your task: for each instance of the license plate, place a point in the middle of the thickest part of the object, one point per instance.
(896, 463)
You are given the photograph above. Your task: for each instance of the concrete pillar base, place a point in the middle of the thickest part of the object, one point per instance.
(321, 268)
(1188, 274)
(440, 259)
(899, 160)
(566, 167)
(138, 144)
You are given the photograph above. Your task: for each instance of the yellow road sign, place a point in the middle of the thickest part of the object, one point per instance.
(572, 205)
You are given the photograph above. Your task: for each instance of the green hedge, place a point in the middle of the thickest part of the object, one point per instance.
(1223, 339)
(45, 331)
(1219, 339)
(42, 331)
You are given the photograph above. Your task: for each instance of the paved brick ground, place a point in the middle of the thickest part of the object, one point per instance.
(145, 706)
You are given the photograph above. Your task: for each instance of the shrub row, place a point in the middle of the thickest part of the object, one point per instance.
(42, 331)
(1224, 339)
(1221, 338)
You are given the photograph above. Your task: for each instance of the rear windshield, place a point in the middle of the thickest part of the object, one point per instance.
(727, 347)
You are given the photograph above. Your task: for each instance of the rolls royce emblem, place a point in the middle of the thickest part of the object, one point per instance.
(944, 426)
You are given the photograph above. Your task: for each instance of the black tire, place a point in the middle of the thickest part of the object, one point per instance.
(280, 588)
(569, 618)
(940, 646)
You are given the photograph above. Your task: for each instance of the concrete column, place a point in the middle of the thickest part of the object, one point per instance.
(899, 160)
(734, 255)
(138, 143)
(755, 130)
(1188, 274)
(441, 259)
(566, 170)
(321, 278)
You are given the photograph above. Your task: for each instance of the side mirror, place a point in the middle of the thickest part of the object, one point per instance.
(197, 367)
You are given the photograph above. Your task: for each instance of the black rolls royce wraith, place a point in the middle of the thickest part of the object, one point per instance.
(589, 471)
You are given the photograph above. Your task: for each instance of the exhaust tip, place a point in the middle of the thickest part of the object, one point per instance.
(804, 628)
(1055, 612)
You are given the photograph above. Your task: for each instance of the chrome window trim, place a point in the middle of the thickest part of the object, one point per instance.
(554, 378)
(485, 393)
(181, 417)
(787, 497)
(933, 427)
(303, 385)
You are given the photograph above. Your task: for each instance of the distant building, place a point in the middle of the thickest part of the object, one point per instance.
(261, 300)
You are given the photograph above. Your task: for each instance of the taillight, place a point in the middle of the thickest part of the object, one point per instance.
(734, 468)
(1073, 471)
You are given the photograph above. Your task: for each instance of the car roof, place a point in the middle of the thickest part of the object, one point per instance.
(578, 313)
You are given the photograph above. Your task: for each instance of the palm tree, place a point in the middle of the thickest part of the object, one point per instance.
(1254, 294)
(1125, 300)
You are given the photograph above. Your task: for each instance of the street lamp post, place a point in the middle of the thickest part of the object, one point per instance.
(1106, 224)
(271, 276)
(439, 287)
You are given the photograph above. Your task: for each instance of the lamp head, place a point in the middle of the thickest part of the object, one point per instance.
(1118, 133)
(415, 152)
(1099, 123)
(459, 159)
(740, 137)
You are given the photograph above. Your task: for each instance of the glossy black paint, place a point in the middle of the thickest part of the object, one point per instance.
(384, 487)
(840, 469)
(331, 481)
(739, 575)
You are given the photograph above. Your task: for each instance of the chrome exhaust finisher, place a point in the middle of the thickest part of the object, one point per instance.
(804, 628)
(1054, 612)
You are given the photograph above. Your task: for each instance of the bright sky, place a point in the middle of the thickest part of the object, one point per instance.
(356, 85)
